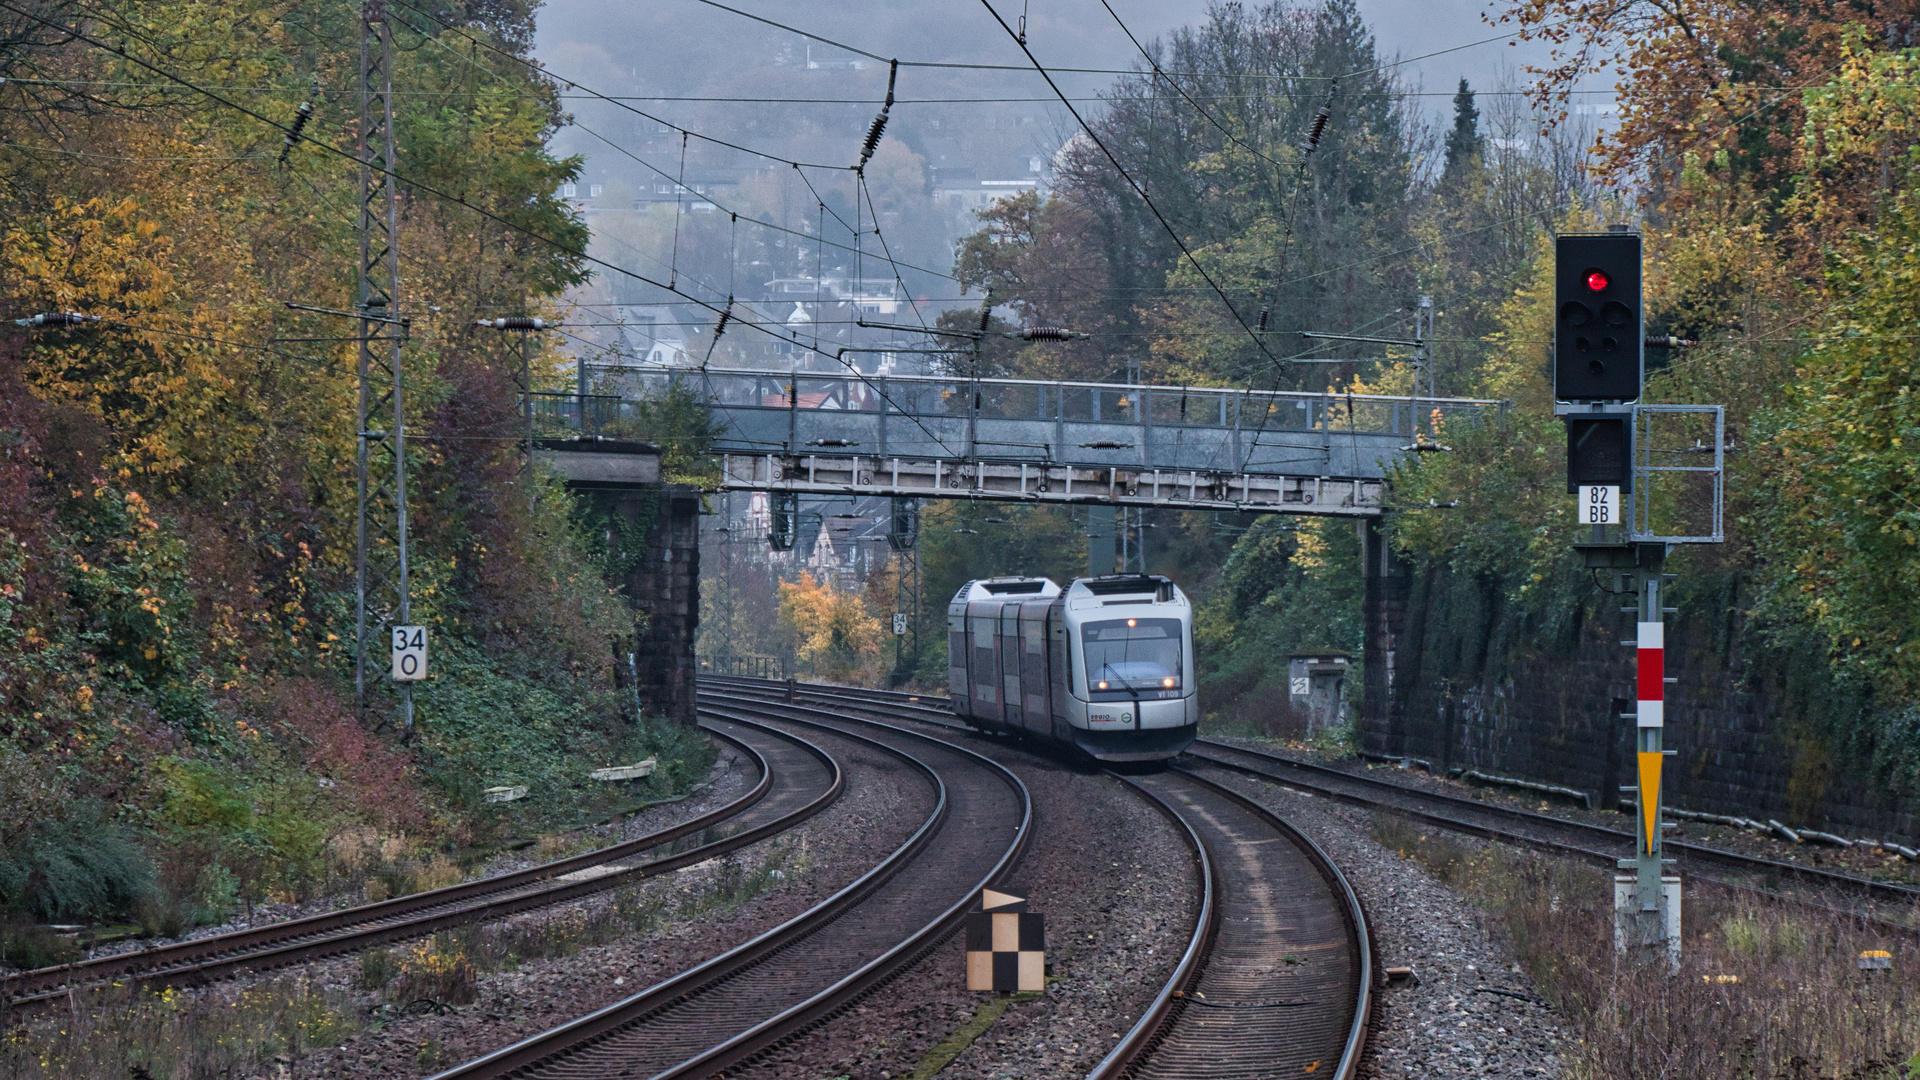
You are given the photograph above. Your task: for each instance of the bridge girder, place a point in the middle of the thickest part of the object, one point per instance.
(1025, 481)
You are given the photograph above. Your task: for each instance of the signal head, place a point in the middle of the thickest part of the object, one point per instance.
(1597, 317)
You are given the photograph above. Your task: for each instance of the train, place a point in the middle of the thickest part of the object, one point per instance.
(1103, 667)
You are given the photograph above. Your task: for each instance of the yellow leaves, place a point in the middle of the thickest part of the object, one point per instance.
(833, 629)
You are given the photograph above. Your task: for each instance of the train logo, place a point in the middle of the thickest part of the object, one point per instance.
(1103, 667)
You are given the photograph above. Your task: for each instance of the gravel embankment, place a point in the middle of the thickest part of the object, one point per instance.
(1117, 888)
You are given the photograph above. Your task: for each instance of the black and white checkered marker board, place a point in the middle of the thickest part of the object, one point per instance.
(1006, 943)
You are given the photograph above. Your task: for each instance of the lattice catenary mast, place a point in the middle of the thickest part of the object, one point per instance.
(381, 593)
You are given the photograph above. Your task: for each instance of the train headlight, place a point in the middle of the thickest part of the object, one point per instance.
(1166, 682)
(1100, 686)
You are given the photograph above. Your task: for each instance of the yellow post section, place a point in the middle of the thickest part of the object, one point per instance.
(1649, 796)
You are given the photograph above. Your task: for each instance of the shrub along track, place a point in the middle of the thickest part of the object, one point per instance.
(1592, 844)
(1277, 976)
(797, 780)
(753, 998)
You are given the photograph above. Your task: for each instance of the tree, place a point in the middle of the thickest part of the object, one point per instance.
(835, 633)
(1463, 142)
(1215, 136)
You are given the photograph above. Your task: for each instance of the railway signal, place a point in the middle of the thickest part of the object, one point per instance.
(1599, 466)
(1598, 374)
(1597, 337)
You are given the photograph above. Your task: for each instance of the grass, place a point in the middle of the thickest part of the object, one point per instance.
(228, 1031)
(1766, 990)
(949, 1049)
(237, 1031)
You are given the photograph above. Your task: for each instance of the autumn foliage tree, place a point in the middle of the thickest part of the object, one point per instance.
(834, 632)
(177, 488)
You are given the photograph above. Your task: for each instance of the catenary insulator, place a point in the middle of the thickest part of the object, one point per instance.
(300, 117)
(57, 318)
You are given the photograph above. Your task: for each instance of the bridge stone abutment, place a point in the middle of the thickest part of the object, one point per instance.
(651, 533)
(1385, 641)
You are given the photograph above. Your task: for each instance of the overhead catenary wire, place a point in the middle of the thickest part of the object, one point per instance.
(1173, 233)
(548, 73)
(534, 65)
(1020, 40)
(417, 184)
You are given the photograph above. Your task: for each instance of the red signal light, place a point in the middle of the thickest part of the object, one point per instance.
(1597, 281)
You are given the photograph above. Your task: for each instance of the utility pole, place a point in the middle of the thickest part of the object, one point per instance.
(381, 561)
(526, 326)
(1423, 333)
(1100, 530)
(903, 537)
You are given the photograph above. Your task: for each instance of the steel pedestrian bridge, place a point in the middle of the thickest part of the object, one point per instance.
(1184, 447)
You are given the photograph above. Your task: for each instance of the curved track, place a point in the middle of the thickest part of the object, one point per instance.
(1594, 844)
(731, 1007)
(1277, 976)
(797, 780)
(1277, 979)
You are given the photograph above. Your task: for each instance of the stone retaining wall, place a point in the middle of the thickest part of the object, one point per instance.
(1473, 686)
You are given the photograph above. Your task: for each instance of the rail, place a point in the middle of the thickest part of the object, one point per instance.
(351, 929)
(624, 1035)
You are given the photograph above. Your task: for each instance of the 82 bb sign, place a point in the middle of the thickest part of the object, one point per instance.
(1599, 504)
(409, 653)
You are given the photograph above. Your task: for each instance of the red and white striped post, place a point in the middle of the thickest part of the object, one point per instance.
(1647, 905)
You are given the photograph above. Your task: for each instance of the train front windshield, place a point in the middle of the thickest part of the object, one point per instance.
(1132, 654)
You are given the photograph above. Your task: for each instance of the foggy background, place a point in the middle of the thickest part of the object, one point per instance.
(664, 206)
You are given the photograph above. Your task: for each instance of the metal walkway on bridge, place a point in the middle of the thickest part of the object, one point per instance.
(1185, 447)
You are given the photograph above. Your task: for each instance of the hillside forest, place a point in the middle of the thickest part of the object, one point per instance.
(179, 735)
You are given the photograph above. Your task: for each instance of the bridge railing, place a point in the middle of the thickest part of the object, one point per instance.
(1029, 399)
(1026, 420)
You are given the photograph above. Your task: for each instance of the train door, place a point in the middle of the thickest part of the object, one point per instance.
(982, 665)
(1010, 662)
(959, 686)
(1058, 666)
(1033, 665)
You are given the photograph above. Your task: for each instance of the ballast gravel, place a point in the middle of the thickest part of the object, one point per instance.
(1117, 888)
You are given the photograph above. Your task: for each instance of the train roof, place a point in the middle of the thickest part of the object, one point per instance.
(1007, 588)
(1118, 585)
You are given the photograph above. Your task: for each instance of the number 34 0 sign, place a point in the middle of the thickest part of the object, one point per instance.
(409, 653)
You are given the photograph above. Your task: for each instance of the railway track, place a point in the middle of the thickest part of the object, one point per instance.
(1594, 844)
(1591, 843)
(742, 1002)
(1276, 979)
(797, 780)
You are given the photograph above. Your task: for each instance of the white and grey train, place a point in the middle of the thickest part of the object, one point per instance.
(1104, 667)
